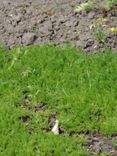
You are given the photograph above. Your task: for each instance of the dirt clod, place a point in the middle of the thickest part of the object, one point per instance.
(28, 38)
(37, 22)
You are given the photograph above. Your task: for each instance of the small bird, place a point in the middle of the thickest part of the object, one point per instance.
(55, 128)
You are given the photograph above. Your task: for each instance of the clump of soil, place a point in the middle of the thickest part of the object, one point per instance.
(54, 22)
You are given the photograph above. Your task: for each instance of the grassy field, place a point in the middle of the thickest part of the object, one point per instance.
(77, 89)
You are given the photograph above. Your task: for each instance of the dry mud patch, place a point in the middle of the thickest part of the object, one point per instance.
(53, 22)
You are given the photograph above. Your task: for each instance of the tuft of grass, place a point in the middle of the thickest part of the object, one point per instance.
(88, 6)
(112, 2)
(100, 36)
(99, 29)
(80, 89)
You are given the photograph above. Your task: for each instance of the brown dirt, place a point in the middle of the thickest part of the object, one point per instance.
(99, 143)
(37, 22)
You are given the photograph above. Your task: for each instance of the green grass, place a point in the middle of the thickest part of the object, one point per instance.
(80, 88)
(112, 2)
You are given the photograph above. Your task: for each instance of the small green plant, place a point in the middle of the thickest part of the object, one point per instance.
(88, 6)
(115, 144)
(107, 5)
(112, 2)
(100, 36)
(98, 27)
(103, 154)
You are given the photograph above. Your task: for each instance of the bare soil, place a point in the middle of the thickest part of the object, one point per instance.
(37, 22)
(98, 143)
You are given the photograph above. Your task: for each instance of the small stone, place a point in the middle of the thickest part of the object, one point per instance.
(91, 15)
(28, 38)
(17, 18)
(96, 47)
(89, 43)
(46, 29)
(61, 19)
(55, 128)
(69, 23)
